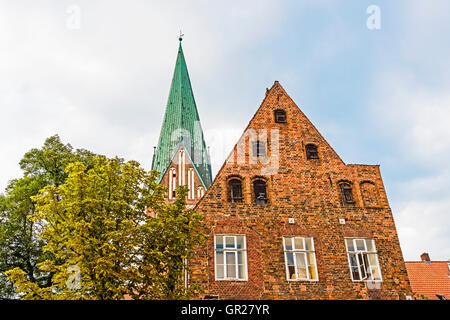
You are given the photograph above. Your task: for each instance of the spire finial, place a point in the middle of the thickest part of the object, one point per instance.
(180, 38)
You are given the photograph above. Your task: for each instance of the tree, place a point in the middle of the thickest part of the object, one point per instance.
(19, 244)
(97, 225)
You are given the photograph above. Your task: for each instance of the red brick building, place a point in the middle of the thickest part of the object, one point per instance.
(430, 279)
(288, 219)
(285, 216)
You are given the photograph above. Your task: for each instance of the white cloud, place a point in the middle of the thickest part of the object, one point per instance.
(104, 87)
(410, 102)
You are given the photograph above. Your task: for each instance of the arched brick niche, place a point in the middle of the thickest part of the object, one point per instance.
(369, 194)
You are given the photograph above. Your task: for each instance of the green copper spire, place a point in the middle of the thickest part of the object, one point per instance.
(181, 126)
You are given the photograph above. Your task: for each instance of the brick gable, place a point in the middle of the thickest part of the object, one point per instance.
(307, 191)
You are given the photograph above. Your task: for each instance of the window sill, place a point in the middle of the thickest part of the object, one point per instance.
(232, 280)
(302, 280)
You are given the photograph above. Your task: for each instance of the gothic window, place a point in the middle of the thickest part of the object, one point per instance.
(230, 257)
(172, 183)
(369, 194)
(260, 190)
(363, 259)
(311, 152)
(280, 116)
(235, 190)
(346, 193)
(259, 149)
(200, 192)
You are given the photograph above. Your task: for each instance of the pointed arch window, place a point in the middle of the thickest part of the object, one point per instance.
(260, 191)
(172, 183)
(235, 190)
(280, 116)
(311, 151)
(346, 193)
(200, 192)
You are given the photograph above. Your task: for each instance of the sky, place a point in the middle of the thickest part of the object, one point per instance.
(98, 74)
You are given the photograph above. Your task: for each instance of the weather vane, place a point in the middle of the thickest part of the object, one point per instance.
(181, 36)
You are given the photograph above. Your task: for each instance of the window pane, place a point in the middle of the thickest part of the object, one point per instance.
(229, 242)
(360, 245)
(231, 271)
(291, 273)
(231, 258)
(376, 274)
(370, 245)
(301, 265)
(298, 244)
(367, 266)
(362, 267)
(219, 271)
(372, 259)
(290, 258)
(240, 257)
(312, 272)
(310, 256)
(288, 243)
(374, 266)
(353, 262)
(241, 270)
(308, 244)
(255, 148)
(350, 246)
(219, 257)
(240, 242)
(219, 242)
(355, 273)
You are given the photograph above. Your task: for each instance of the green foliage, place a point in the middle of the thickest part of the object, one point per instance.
(50, 161)
(419, 296)
(20, 245)
(97, 221)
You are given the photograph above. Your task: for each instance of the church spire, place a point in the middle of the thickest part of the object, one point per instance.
(181, 126)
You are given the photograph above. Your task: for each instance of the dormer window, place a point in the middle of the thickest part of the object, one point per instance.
(235, 190)
(280, 116)
(311, 152)
(346, 193)
(260, 190)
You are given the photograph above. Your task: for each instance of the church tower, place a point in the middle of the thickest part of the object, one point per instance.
(182, 157)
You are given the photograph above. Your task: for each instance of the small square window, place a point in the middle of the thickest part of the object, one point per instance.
(259, 149)
(311, 152)
(280, 116)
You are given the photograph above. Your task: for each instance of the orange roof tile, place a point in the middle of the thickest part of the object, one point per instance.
(429, 279)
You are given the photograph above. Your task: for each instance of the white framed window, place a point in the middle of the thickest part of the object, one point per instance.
(230, 257)
(300, 259)
(363, 259)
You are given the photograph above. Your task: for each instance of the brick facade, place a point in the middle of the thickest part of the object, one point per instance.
(304, 198)
(182, 172)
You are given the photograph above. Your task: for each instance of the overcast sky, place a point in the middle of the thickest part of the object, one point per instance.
(98, 74)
